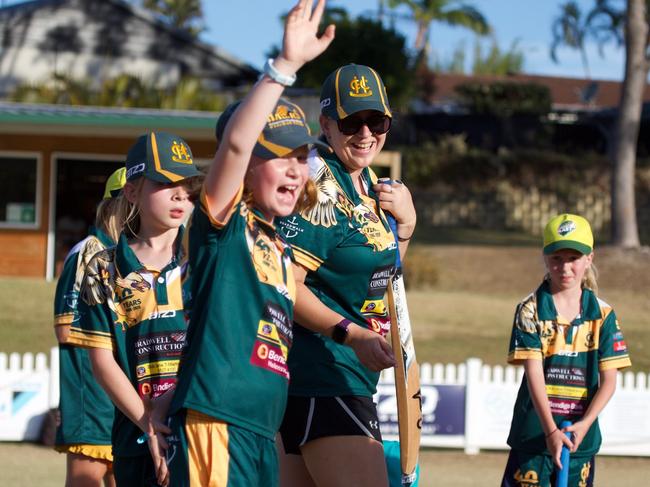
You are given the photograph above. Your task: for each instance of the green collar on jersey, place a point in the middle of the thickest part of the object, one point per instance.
(126, 261)
(589, 308)
(101, 236)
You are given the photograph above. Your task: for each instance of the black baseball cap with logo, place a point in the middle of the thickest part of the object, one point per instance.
(286, 130)
(353, 88)
(161, 157)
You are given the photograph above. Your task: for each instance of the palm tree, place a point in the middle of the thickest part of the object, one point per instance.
(185, 15)
(451, 12)
(571, 28)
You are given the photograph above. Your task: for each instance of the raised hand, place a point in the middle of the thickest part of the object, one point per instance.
(301, 43)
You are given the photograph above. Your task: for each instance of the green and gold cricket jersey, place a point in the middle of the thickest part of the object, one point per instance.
(86, 411)
(235, 368)
(137, 313)
(347, 247)
(573, 354)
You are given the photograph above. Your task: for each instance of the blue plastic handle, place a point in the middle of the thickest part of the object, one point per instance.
(563, 474)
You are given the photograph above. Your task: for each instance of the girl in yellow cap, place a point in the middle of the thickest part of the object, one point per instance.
(570, 344)
(85, 411)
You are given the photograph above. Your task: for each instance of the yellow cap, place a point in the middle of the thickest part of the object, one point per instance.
(115, 183)
(567, 231)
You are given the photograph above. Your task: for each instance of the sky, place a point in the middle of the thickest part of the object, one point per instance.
(248, 28)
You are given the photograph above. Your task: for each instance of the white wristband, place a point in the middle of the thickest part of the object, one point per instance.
(277, 76)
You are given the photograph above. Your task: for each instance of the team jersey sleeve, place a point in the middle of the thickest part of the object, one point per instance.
(612, 349)
(525, 341)
(67, 294)
(205, 230)
(94, 328)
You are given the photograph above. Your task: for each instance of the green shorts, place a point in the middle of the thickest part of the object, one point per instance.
(134, 471)
(206, 451)
(526, 470)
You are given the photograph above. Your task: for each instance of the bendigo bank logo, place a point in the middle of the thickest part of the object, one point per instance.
(263, 351)
(359, 87)
(180, 153)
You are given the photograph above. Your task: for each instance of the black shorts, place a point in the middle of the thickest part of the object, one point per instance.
(310, 418)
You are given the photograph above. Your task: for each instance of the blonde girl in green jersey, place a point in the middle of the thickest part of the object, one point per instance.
(570, 344)
(85, 411)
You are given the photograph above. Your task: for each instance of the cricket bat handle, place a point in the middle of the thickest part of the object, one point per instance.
(563, 474)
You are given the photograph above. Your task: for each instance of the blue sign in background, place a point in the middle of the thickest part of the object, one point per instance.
(443, 409)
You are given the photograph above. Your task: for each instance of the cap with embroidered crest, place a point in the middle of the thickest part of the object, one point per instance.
(161, 157)
(353, 88)
(286, 130)
(115, 183)
(568, 231)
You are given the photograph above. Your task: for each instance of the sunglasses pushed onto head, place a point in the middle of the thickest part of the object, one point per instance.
(378, 124)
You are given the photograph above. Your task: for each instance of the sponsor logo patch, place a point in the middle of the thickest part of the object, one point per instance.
(566, 228)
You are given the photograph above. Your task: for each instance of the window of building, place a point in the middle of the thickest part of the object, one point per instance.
(19, 176)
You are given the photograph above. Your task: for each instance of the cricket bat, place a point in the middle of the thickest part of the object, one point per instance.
(407, 371)
(563, 474)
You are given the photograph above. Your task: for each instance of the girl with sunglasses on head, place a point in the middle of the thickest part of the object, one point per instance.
(345, 253)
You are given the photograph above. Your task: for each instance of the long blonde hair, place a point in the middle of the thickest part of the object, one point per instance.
(110, 216)
(589, 280)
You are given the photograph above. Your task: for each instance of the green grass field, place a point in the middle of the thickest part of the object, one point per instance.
(29, 465)
(466, 313)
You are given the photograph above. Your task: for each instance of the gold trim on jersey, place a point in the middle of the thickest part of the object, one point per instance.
(91, 339)
(520, 354)
(205, 207)
(614, 363)
(306, 259)
(64, 319)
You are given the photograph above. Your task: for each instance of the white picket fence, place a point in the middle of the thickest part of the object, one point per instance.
(467, 406)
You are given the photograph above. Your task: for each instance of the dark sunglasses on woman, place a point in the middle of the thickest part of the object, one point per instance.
(378, 124)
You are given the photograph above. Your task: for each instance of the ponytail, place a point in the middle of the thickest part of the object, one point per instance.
(589, 279)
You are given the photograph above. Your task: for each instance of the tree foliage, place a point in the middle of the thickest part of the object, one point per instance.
(571, 28)
(184, 15)
(451, 12)
(504, 99)
(497, 61)
(123, 91)
(362, 41)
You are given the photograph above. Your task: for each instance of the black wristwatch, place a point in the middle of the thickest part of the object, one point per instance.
(340, 331)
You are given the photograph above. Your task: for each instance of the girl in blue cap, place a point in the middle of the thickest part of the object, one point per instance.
(571, 346)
